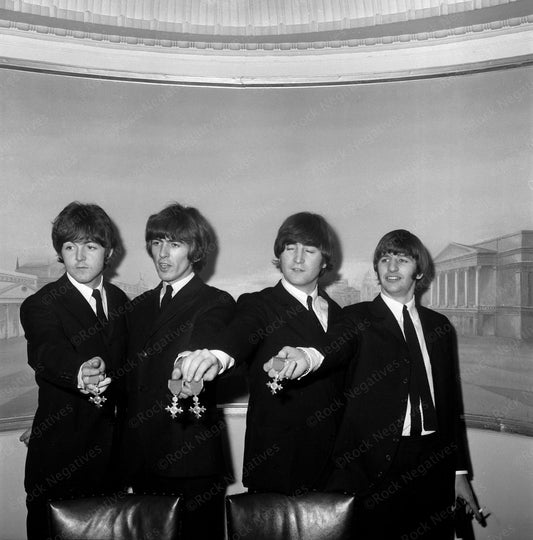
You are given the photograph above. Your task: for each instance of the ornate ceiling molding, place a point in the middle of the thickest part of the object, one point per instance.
(59, 36)
(245, 17)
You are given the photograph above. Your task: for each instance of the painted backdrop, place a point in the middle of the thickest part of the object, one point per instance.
(449, 159)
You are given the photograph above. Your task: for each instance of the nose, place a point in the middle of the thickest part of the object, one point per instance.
(393, 265)
(163, 252)
(299, 254)
(80, 253)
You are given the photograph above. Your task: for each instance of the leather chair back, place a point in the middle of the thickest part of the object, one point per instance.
(119, 516)
(273, 516)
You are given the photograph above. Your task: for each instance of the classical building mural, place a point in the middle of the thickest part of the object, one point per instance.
(486, 289)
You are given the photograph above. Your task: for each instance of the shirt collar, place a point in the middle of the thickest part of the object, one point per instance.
(85, 290)
(397, 307)
(297, 293)
(178, 285)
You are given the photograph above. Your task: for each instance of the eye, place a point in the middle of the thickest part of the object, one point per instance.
(155, 242)
(176, 244)
(290, 247)
(310, 250)
(68, 247)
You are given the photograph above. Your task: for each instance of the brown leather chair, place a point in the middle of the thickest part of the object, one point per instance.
(272, 516)
(116, 517)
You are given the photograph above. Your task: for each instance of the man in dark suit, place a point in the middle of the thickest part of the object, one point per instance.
(289, 435)
(166, 451)
(76, 333)
(401, 443)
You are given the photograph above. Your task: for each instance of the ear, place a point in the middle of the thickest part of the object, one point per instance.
(109, 254)
(419, 276)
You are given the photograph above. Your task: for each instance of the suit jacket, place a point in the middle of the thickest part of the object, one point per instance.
(71, 441)
(377, 392)
(289, 435)
(184, 446)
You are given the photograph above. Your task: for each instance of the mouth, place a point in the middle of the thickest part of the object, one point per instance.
(393, 278)
(297, 269)
(163, 266)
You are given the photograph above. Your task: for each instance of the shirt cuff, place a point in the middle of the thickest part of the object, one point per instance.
(226, 361)
(460, 472)
(313, 356)
(314, 359)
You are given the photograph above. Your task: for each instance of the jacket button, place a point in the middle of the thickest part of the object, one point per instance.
(387, 457)
(404, 381)
(144, 355)
(380, 474)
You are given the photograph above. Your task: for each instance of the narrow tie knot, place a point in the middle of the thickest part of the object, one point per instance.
(100, 313)
(167, 297)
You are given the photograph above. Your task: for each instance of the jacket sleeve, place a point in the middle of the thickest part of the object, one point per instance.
(246, 330)
(211, 320)
(51, 353)
(342, 339)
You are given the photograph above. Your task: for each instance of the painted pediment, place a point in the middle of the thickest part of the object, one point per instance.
(458, 251)
(15, 291)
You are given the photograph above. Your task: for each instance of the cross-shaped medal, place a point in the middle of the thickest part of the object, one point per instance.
(175, 388)
(196, 388)
(275, 386)
(98, 399)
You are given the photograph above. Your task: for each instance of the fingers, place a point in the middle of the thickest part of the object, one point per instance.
(464, 492)
(177, 371)
(97, 363)
(93, 379)
(93, 371)
(276, 363)
(200, 365)
(103, 385)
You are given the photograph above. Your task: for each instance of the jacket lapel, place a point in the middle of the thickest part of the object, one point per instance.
(74, 302)
(295, 311)
(384, 318)
(178, 305)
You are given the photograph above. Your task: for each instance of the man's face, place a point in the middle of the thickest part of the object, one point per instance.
(171, 259)
(301, 265)
(84, 261)
(397, 276)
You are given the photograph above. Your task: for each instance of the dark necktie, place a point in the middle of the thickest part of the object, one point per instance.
(167, 297)
(312, 311)
(419, 391)
(100, 313)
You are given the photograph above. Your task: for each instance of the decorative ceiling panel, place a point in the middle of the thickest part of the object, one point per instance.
(245, 17)
(265, 42)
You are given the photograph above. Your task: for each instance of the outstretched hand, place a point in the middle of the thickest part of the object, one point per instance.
(199, 365)
(289, 363)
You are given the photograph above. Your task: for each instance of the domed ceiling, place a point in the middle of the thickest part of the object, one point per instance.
(265, 42)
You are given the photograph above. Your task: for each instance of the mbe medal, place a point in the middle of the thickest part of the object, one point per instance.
(175, 388)
(275, 386)
(98, 399)
(196, 388)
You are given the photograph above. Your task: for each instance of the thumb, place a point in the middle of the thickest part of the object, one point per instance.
(267, 366)
(284, 353)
